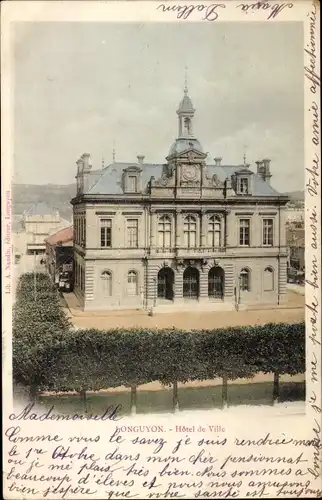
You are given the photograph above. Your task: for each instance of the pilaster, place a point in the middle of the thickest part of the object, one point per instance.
(178, 284)
(229, 280)
(178, 227)
(203, 228)
(153, 222)
(203, 283)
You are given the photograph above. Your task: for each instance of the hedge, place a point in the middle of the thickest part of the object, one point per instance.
(95, 359)
(38, 323)
(49, 355)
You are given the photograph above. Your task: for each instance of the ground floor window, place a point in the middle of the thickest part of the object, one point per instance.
(132, 283)
(191, 283)
(244, 280)
(268, 279)
(106, 283)
(216, 277)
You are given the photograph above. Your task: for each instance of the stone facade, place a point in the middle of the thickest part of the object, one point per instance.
(180, 235)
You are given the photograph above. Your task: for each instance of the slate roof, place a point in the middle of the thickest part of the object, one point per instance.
(182, 144)
(108, 180)
(40, 208)
(186, 104)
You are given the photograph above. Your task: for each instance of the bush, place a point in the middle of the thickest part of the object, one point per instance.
(95, 359)
(39, 323)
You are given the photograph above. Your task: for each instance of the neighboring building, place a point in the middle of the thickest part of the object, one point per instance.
(295, 214)
(29, 234)
(295, 238)
(59, 252)
(180, 235)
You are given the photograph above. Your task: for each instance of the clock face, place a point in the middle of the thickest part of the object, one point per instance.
(190, 172)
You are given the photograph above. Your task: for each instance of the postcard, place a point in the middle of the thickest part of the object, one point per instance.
(161, 269)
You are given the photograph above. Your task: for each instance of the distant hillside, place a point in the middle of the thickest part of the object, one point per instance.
(55, 195)
(296, 195)
(59, 196)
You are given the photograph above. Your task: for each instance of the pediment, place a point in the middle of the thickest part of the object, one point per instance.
(189, 154)
(133, 168)
(244, 171)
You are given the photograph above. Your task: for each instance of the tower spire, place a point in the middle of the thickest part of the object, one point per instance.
(244, 157)
(113, 152)
(186, 80)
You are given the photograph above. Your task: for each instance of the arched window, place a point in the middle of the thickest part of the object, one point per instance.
(164, 232)
(268, 279)
(214, 232)
(106, 281)
(216, 278)
(190, 231)
(165, 283)
(132, 283)
(244, 280)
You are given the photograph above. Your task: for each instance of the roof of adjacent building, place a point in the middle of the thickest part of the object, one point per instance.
(63, 236)
(40, 208)
(108, 180)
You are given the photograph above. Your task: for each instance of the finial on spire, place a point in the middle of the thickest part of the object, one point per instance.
(245, 147)
(113, 152)
(186, 80)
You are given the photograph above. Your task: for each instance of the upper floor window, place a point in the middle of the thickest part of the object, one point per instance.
(132, 233)
(244, 185)
(132, 283)
(190, 231)
(132, 182)
(164, 232)
(106, 281)
(244, 280)
(268, 232)
(214, 231)
(244, 232)
(106, 232)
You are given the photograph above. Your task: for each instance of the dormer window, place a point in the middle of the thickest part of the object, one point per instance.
(132, 180)
(132, 183)
(242, 182)
(244, 185)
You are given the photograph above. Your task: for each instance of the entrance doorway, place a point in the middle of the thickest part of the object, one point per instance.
(165, 283)
(191, 283)
(216, 278)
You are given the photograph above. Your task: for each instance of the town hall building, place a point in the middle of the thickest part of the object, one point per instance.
(182, 235)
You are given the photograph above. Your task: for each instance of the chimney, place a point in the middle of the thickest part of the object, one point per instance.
(140, 159)
(86, 161)
(86, 170)
(263, 169)
(79, 175)
(217, 161)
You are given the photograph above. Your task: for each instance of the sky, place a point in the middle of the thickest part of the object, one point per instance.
(80, 87)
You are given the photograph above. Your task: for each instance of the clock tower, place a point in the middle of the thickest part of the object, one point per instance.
(186, 158)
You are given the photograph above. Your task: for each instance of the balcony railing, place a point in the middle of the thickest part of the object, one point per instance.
(182, 251)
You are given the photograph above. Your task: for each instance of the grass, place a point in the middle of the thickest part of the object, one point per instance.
(190, 398)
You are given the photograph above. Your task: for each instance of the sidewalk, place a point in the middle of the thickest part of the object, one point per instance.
(294, 300)
(300, 289)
